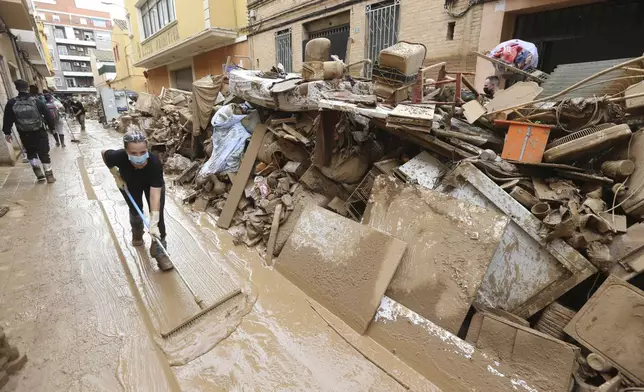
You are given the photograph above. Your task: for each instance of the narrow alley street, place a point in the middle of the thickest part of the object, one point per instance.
(87, 308)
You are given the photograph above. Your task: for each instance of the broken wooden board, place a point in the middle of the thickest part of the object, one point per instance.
(343, 265)
(423, 169)
(473, 110)
(527, 273)
(412, 115)
(518, 94)
(270, 247)
(346, 96)
(545, 362)
(611, 324)
(248, 162)
(291, 131)
(450, 245)
(442, 357)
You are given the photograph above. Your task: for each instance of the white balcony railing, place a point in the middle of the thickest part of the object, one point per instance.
(81, 89)
(74, 58)
(77, 42)
(78, 73)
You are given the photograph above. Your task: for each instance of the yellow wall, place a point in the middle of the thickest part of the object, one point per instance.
(45, 47)
(128, 77)
(228, 14)
(189, 21)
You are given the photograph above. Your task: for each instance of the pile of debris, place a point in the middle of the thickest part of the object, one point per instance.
(93, 107)
(10, 359)
(480, 214)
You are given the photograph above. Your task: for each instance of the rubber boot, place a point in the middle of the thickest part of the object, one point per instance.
(38, 172)
(62, 140)
(137, 230)
(56, 139)
(49, 174)
(162, 258)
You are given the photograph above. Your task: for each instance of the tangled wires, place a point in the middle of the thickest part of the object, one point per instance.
(449, 7)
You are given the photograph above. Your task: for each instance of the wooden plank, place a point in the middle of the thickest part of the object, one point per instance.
(239, 184)
(290, 130)
(270, 248)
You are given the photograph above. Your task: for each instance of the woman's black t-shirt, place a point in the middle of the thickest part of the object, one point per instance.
(151, 175)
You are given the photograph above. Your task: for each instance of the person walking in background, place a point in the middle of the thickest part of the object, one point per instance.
(27, 112)
(56, 109)
(79, 111)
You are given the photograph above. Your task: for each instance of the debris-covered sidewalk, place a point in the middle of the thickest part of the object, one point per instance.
(498, 230)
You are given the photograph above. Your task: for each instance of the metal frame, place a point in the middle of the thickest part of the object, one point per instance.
(382, 29)
(577, 265)
(284, 49)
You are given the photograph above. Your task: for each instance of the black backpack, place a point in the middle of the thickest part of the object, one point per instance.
(28, 118)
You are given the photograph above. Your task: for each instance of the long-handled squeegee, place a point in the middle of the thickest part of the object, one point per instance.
(74, 140)
(204, 309)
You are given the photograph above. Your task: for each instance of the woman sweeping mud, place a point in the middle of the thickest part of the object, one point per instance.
(138, 172)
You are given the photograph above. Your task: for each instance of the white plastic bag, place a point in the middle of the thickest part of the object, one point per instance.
(228, 139)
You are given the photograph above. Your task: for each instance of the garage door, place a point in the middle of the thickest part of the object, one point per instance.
(593, 32)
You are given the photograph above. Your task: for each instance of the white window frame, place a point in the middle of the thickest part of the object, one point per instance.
(55, 18)
(83, 21)
(62, 49)
(67, 79)
(62, 32)
(155, 15)
(58, 81)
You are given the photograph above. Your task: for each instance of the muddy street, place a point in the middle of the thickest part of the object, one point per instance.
(88, 309)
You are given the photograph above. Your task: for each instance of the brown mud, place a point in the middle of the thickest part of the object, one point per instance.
(87, 308)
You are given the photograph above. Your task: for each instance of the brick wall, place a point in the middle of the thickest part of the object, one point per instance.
(424, 21)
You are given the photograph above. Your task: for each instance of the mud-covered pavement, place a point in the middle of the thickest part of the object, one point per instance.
(87, 307)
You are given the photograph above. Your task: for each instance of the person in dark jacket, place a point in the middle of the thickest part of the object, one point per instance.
(27, 113)
(79, 112)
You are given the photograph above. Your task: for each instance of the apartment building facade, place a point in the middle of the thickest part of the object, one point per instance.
(23, 55)
(128, 77)
(74, 35)
(565, 31)
(179, 41)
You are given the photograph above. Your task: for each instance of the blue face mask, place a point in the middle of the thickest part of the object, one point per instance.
(138, 160)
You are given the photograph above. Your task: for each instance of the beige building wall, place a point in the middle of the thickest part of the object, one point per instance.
(423, 21)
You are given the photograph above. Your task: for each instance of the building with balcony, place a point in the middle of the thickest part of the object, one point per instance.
(23, 55)
(74, 34)
(128, 77)
(181, 41)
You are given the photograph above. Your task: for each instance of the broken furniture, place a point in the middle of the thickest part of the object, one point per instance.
(611, 324)
(343, 265)
(545, 362)
(449, 247)
(397, 69)
(535, 75)
(527, 272)
(524, 142)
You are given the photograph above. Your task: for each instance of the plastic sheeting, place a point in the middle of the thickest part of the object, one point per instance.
(204, 94)
(518, 53)
(228, 139)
